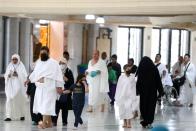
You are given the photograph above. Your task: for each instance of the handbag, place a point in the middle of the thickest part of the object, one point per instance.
(180, 81)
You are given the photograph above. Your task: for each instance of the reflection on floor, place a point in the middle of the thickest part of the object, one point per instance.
(175, 118)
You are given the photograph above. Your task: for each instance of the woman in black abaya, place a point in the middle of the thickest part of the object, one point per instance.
(148, 82)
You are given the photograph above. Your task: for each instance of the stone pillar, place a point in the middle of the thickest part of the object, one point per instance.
(1, 45)
(11, 39)
(26, 44)
(75, 45)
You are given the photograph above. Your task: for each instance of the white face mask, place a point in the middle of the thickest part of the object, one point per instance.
(63, 66)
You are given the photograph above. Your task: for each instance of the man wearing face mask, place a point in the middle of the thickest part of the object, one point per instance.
(48, 79)
(64, 103)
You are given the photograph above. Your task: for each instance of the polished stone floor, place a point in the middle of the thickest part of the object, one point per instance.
(175, 118)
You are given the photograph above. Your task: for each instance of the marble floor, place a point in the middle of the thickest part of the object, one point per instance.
(175, 118)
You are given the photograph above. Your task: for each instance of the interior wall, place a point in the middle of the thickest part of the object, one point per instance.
(56, 39)
(94, 33)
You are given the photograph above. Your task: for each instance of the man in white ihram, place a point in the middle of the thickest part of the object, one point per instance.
(15, 77)
(48, 79)
(186, 90)
(97, 78)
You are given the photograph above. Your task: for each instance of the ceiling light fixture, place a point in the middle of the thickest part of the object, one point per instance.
(37, 26)
(90, 17)
(43, 21)
(100, 20)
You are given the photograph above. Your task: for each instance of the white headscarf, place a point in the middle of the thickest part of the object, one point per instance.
(22, 76)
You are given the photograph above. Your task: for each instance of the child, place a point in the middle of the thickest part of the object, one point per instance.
(78, 89)
(112, 84)
(125, 97)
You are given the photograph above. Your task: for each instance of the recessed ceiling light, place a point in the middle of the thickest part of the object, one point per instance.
(90, 17)
(43, 21)
(37, 26)
(100, 20)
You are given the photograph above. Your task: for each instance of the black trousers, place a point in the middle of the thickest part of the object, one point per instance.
(77, 113)
(61, 106)
(34, 117)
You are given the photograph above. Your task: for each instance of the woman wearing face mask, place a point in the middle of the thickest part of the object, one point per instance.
(64, 102)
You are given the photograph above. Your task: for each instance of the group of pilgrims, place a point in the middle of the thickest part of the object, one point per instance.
(51, 87)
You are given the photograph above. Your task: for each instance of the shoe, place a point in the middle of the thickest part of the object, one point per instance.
(8, 119)
(149, 126)
(34, 123)
(191, 105)
(75, 128)
(54, 124)
(22, 118)
(64, 124)
(83, 125)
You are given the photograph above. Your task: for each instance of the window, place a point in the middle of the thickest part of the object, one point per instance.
(184, 40)
(155, 42)
(129, 44)
(135, 50)
(164, 45)
(171, 43)
(122, 45)
(175, 46)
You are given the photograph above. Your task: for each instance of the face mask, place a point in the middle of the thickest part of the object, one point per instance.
(63, 66)
(44, 57)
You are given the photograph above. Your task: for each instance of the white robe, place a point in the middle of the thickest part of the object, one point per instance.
(98, 85)
(186, 90)
(161, 68)
(179, 67)
(125, 97)
(46, 94)
(15, 91)
(166, 80)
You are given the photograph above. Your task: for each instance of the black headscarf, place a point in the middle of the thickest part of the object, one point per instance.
(148, 77)
(146, 65)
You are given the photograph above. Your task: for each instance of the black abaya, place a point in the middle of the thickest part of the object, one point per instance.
(148, 83)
